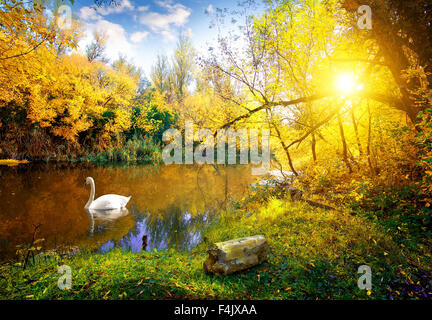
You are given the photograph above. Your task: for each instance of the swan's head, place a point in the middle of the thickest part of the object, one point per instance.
(88, 180)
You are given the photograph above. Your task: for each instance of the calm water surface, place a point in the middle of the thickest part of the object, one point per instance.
(170, 204)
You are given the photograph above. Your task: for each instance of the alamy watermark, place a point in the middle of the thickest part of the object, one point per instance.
(365, 280)
(364, 22)
(64, 17)
(249, 143)
(65, 281)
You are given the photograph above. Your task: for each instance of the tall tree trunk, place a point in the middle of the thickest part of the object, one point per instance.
(313, 145)
(344, 144)
(356, 133)
(284, 146)
(368, 149)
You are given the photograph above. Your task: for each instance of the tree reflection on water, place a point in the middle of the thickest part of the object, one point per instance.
(172, 228)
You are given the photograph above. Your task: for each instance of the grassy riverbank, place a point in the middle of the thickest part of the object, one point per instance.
(135, 148)
(314, 254)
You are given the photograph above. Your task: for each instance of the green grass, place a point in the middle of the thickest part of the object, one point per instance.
(313, 254)
(399, 209)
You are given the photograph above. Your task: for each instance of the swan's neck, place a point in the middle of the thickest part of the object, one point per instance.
(92, 194)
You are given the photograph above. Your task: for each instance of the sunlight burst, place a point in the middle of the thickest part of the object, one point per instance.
(346, 83)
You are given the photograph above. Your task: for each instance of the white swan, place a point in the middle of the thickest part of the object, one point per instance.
(105, 202)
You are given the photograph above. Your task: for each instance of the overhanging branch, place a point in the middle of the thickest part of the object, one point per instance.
(386, 99)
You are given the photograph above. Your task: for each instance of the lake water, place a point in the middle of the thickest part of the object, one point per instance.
(170, 204)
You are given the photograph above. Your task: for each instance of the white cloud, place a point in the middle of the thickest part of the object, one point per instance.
(168, 35)
(94, 13)
(177, 15)
(143, 8)
(117, 40)
(125, 5)
(209, 9)
(139, 36)
(164, 21)
(88, 13)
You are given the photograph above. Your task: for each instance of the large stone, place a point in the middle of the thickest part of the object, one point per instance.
(235, 255)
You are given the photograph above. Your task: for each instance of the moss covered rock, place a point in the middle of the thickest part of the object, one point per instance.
(236, 255)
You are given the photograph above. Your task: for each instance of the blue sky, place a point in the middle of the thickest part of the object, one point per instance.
(141, 29)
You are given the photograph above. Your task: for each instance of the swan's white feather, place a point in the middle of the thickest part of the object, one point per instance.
(109, 201)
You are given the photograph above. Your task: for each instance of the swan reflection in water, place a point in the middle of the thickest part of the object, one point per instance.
(107, 215)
